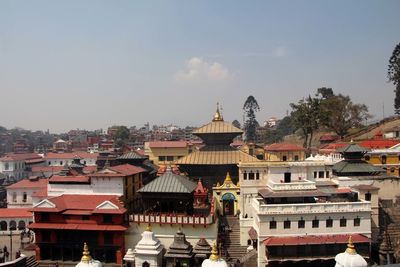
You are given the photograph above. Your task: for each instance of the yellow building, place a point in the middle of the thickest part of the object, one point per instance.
(253, 150)
(388, 159)
(166, 152)
(227, 197)
(284, 152)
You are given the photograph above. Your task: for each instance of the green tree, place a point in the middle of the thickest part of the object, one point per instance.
(285, 127)
(121, 135)
(340, 114)
(251, 124)
(305, 115)
(236, 123)
(394, 76)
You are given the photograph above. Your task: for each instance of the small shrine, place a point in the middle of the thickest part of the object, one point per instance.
(214, 260)
(201, 251)
(227, 197)
(350, 258)
(180, 253)
(201, 206)
(87, 260)
(148, 251)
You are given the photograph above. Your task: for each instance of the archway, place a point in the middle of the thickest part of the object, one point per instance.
(21, 225)
(3, 225)
(228, 204)
(13, 225)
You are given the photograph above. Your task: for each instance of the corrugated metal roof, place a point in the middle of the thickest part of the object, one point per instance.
(215, 155)
(355, 166)
(169, 183)
(217, 127)
(132, 155)
(352, 148)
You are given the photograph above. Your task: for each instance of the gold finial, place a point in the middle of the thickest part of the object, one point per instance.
(214, 253)
(217, 115)
(86, 254)
(228, 179)
(350, 247)
(148, 228)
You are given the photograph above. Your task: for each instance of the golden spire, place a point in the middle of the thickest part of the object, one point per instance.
(217, 115)
(350, 247)
(86, 254)
(148, 228)
(214, 253)
(228, 179)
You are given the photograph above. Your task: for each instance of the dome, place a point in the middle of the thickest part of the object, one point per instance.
(86, 260)
(214, 260)
(350, 258)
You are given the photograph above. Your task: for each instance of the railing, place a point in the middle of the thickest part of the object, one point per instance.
(294, 185)
(311, 207)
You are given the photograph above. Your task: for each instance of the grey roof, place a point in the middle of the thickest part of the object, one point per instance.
(132, 155)
(169, 183)
(355, 166)
(352, 148)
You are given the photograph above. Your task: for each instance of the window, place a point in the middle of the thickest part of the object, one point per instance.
(61, 163)
(6, 166)
(315, 223)
(257, 175)
(383, 159)
(288, 176)
(284, 158)
(170, 158)
(315, 174)
(85, 217)
(14, 197)
(108, 238)
(251, 175)
(24, 197)
(321, 174)
(368, 196)
(245, 175)
(107, 218)
(343, 222)
(329, 223)
(296, 158)
(301, 223)
(161, 158)
(367, 157)
(44, 217)
(286, 224)
(357, 221)
(272, 224)
(327, 174)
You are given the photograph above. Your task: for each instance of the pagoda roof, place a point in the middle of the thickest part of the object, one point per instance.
(217, 127)
(352, 148)
(169, 182)
(216, 155)
(355, 166)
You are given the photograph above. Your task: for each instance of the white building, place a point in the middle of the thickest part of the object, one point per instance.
(60, 159)
(23, 193)
(13, 165)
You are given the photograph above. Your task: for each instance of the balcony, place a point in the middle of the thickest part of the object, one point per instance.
(310, 208)
(294, 185)
(172, 219)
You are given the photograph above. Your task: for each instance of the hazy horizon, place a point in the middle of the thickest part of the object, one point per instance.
(93, 64)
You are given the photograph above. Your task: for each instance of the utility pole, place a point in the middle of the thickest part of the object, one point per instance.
(11, 251)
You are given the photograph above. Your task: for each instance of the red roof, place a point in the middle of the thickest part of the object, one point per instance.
(343, 190)
(22, 156)
(83, 202)
(57, 169)
(71, 155)
(167, 144)
(32, 161)
(328, 137)
(69, 179)
(200, 190)
(314, 239)
(29, 184)
(378, 143)
(127, 169)
(283, 147)
(15, 213)
(40, 193)
(77, 226)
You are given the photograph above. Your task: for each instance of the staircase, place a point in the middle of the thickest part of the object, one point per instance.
(31, 262)
(231, 248)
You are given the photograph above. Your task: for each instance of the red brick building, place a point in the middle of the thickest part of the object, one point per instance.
(62, 223)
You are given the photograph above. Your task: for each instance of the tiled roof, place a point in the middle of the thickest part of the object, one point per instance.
(365, 187)
(169, 183)
(314, 239)
(376, 144)
(214, 155)
(127, 169)
(71, 155)
(15, 213)
(40, 193)
(132, 155)
(283, 147)
(22, 156)
(169, 144)
(218, 127)
(77, 226)
(69, 179)
(29, 184)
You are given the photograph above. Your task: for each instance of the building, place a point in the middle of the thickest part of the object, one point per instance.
(386, 158)
(14, 165)
(227, 197)
(284, 152)
(60, 159)
(166, 152)
(22, 194)
(216, 158)
(63, 222)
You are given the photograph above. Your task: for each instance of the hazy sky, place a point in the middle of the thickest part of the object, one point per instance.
(91, 64)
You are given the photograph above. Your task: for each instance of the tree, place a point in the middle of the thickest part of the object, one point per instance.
(285, 127)
(340, 114)
(394, 76)
(236, 123)
(306, 116)
(121, 135)
(251, 124)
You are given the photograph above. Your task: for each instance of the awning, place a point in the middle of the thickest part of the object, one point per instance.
(314, 240)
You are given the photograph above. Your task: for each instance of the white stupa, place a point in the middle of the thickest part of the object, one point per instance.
(350, 258)
(86, 260)
(214, 260)
(149, 249)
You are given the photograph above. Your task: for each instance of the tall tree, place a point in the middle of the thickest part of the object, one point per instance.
(251, 124)
(394, 76)
(340, 114)
(306, 116)
(121, 135)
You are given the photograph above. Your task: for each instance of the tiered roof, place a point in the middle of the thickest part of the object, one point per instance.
(169, 182)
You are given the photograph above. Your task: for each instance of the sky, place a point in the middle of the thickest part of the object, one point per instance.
(92, 64)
